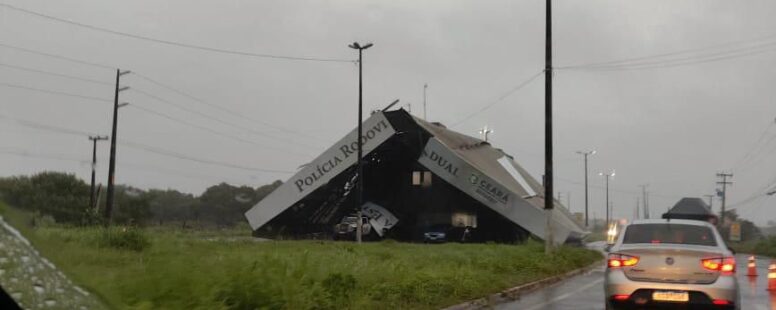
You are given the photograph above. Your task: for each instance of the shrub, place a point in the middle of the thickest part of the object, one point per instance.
(123, 238)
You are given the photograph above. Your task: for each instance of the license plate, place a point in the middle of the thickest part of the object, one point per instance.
(670, 296)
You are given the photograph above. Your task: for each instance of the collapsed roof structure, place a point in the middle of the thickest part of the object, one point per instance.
(424, 175)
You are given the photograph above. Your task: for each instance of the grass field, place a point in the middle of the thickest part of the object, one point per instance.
(765, 246)
(176, 269)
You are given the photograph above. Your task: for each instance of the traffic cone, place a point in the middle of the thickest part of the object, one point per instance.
(751, 267)
(772, 276)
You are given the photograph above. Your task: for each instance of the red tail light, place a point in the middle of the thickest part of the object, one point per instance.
(723, 264)
(620, 297)
(721, 302)
(621, 260)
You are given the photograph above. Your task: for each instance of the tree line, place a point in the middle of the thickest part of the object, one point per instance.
(64, 198)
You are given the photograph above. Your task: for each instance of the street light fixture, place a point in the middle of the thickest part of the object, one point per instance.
(585, 154)
(360, 165)
(485, 131)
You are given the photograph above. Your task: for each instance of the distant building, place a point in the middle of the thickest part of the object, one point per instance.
(425, 175)
(691, 209)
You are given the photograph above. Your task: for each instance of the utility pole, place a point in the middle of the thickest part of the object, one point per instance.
(644, 196)
(568, 201)
(585, 154)
(724, 184)
(485, 131)
(548, 175)
(607, 176)
(425, 87)
(112, 166)
(637, 209)
(94, 165)
(361, 178)
(711, 201)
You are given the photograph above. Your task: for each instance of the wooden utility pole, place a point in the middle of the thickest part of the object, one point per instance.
(112, 165)
(724, 184)
(711, 201)
(94, 165)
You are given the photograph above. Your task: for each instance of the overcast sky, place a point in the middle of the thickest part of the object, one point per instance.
(670, 126)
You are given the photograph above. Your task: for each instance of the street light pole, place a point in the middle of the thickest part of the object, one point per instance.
(94, 164)
(112, 165)
(485, 131)
(360, 165)
(425, 87)
(585, 154)
(608, 176)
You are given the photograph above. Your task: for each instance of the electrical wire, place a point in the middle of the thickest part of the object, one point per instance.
(55, 74)
(215, 132)
(60, 57)
(156, 150)
(198, 160)
(148, 79)
(155, 169)
(169, 42)
(210, 117)
(160, 114)
(612, 189)
(499, 99)
(653, 62)
(220, 108)
(54, 92)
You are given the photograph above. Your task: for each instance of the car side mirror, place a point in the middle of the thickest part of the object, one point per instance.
(731, 250)
(608, 248)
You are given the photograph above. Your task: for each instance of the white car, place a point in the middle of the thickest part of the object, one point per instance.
(676, 263)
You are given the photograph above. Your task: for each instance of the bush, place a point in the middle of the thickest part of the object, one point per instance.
(123, 238)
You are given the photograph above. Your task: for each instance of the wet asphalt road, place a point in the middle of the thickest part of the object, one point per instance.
(586, 291)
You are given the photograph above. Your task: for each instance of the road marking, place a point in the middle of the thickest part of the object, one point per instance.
(564, 296)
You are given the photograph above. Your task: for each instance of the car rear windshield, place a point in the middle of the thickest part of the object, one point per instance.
(669, 233)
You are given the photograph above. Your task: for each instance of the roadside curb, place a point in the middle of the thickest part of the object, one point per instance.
(512, 294)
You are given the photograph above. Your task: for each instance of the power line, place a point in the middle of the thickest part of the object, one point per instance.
(23, 153)
(148, 79)
(210, 117)
(46, 127)
(156, 150)
(623, 191)
(760, 42)
(168, 42)
(160, 114)
(60, 57)
(215, 132)
(55, 74)
(499, 99)
(758, 146)
(199, 160)
(62, 157)
(220, 108)
(675, 62)
(54, 92)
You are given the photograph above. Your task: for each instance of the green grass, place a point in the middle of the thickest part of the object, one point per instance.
(180, 269)
(765, 246)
